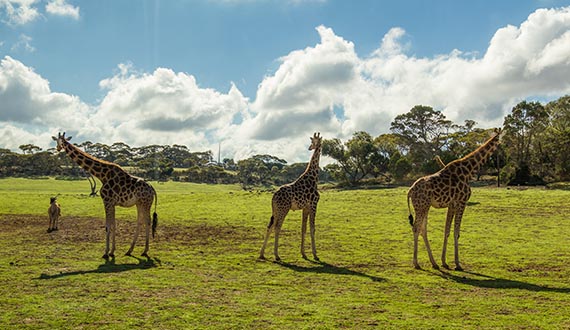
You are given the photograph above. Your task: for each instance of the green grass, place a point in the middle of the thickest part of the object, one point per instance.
(204, 272)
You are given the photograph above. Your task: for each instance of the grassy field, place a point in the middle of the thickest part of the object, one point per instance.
(204, 273)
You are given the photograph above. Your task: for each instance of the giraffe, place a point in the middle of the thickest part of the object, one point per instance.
(448, 188)
(54, 212)
(302, 194)
(118, 189)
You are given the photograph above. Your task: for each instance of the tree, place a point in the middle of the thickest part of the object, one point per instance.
(424, 132)
(29, 149)
(356, 158)
(527, 121)
(556, 139)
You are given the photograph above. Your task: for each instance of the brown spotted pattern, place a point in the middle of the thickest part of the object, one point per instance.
(302, 194)
(449, 188)
(118, 189)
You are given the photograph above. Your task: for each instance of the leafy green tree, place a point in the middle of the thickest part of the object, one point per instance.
(556, 139)
(424, 133)
(356, 158)
(523, 128)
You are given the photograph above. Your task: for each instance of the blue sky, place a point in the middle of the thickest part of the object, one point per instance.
(260, 74)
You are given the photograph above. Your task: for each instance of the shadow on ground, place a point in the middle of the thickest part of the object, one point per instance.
(108, 267)
(486, 281)
(321, 267)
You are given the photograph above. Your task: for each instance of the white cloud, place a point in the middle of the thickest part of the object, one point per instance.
(27, 101)
(167, 105)
(24, 43)
(326, 87)
(62, 8)
(18, 12)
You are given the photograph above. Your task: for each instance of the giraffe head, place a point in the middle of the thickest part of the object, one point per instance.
(316, 140)
(52, 200)
(61, 139)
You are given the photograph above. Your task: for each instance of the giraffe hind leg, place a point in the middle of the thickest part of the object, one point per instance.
(268, 232)
(448, 221)
(304, 231)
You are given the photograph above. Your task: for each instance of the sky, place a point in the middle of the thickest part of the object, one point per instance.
(261, 76)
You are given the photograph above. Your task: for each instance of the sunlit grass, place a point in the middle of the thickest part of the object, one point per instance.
(204, 271)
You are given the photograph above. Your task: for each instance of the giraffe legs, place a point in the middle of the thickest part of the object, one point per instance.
(110, 227)
(456, 229)
(304, 231)
(267, 233)
(312, 225)
(275, 222)
(141, 217)
(448, 221)
(278, 224)
(420, 227)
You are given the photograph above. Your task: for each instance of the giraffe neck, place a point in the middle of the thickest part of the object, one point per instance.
(98, 168)
(312, 170)
(471, 163)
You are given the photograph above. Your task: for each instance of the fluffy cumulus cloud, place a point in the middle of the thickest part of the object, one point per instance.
(168, 106)
(18, 12)
(27, 99)
(21, 12)
(62, 8)
(325, 87)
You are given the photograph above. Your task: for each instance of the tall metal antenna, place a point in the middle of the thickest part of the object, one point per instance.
(219, 151)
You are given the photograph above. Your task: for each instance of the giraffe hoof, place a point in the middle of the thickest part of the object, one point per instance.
(446, 266)
(277, 259)
(106, 256)
(128, 254)
(459, 268)
(262, 257)
(317, 258)
(112, 255)
(435, 266)
(417, 266)
(145, 255)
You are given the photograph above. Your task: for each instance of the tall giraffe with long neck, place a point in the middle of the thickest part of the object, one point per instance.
(302, 194)
(118, 189)
(448, 188)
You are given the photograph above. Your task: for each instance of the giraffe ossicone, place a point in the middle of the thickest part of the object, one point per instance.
(118, 189)
(448, 188)
(301, 194)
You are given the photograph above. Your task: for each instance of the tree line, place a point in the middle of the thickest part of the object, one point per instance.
(535, 149)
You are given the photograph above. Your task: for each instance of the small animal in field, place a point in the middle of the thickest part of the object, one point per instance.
(302, 194)
(54, 212)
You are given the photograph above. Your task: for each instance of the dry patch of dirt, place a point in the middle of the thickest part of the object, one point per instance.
(92, 230)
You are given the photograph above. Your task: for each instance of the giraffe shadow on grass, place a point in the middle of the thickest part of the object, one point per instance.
(321, 267)
(490, 282)
(108, 267)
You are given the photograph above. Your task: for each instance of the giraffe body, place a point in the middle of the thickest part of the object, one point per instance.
(54, 212)
(302, 194)
(118, 189)
(448, 188)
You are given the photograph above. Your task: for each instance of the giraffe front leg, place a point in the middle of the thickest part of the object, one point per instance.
(448, 221)
(109, 223)
(304, 231)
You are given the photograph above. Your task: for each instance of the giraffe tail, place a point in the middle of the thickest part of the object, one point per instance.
(154, 215)
(410, 216)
